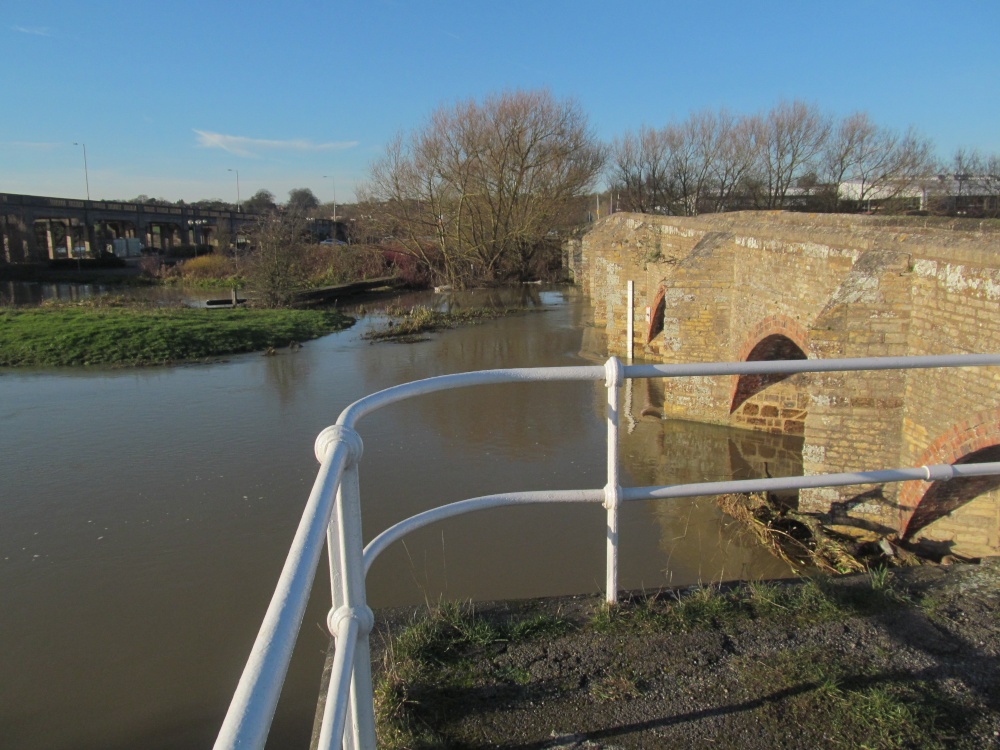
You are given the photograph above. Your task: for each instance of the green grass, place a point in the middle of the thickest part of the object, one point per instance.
(68, 335)
(812, 601)
(854, 706)
(443, 665)
(447, 652)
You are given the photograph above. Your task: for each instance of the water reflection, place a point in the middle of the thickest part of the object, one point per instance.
(146, 514)
(23, 293)
(699, 541)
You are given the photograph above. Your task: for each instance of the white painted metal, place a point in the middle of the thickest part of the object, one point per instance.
(334, 710)
(793, 366)
(377, 545)
(614, 377)
(334, 511)
(941, 472)
(630, 328)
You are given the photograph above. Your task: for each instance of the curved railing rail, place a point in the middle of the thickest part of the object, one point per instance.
(333, 514)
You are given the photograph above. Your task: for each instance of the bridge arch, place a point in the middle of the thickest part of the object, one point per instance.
(973, 440)
(775, 337)
(656, 313)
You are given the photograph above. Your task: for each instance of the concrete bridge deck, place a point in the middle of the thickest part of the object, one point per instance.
(35, 228)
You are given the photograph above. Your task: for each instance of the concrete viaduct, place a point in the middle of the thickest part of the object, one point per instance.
(38, 228)
(756, 286)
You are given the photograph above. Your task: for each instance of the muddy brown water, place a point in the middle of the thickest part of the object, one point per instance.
(145, 514)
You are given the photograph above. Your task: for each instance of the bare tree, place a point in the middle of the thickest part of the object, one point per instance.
(695, 147)
(639, 170)
(790, 137)
(734, 158)
(476, 190)
(862, 161)
(274, 266)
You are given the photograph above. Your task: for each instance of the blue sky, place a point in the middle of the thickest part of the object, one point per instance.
(169, 95)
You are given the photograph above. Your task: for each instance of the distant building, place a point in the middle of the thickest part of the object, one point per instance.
(954, 195)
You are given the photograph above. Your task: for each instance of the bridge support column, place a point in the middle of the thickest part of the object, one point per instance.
(50, 245)
(90, 240)
(4, 240)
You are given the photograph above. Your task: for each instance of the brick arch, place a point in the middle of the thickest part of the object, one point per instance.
(774, 337)
(972, 440)
(774, 325)
(656, 313)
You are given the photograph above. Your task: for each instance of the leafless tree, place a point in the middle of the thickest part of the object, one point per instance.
(274, 265)
(790, 136)
(638, 170)
(878, 162)
(476, 190)
(734, 158)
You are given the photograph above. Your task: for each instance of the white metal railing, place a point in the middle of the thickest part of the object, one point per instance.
(333, 511)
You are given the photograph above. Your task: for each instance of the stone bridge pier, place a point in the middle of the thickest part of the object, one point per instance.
(764, 286)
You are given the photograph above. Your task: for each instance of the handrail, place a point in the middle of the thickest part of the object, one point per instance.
(333, 509)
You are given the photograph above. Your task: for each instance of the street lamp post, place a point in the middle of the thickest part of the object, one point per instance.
(238, 209)
(86, 172)
(334, 195)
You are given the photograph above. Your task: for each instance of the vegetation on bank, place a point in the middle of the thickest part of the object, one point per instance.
(408, 325)
(797, 664)
(285, 264)
(108, 332)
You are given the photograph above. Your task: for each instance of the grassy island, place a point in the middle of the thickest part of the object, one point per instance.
(88, 334)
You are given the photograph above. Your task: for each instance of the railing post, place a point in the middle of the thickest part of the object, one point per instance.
(614, 374)
(347, 583)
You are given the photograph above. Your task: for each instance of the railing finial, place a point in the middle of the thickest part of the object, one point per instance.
(337, 433)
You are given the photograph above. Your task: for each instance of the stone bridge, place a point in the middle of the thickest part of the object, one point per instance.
(757, 286)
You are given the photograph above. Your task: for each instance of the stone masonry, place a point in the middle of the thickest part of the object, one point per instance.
(774, 285)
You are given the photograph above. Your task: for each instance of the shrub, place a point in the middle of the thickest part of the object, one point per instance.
(340, 264)
(207, 267)
(408, 269)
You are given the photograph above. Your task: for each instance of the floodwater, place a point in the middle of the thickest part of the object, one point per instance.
(145, 514)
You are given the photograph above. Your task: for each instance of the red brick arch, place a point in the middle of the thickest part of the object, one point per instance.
(776, 328)
(656, 312)
(977, 433)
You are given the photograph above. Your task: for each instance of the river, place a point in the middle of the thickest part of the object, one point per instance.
(145, 514)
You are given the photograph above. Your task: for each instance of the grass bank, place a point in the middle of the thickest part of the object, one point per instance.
(878, 660)
(123, 336)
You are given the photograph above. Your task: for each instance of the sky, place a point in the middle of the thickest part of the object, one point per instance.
(183, 99)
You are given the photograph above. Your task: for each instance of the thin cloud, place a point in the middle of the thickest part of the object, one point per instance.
(33, 145)
(33, 30)
(243, 146)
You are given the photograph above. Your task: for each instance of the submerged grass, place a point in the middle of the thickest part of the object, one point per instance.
(63, 335)
(408, 324)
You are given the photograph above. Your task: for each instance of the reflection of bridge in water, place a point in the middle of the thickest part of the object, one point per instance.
(35, 228)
